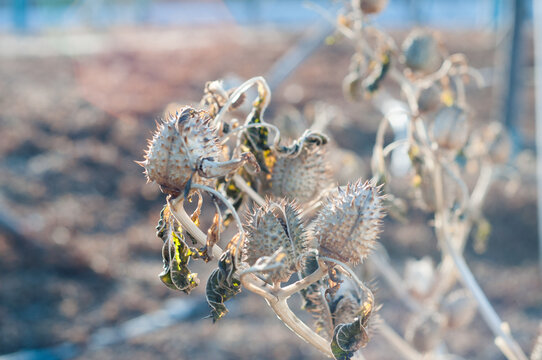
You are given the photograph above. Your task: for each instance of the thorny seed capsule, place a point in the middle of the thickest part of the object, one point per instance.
(185, 147)
(302, 177)
(370, 6)
(421, 52)
(450, 129)
(270, 227)
(347, 226)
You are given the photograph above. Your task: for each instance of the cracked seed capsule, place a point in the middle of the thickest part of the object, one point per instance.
(271, 227)
(302, 177)
(347, 226)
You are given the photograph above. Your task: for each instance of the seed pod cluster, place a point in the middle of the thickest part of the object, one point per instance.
(270, 228)
(302, 177)
(421, 52)
(347, 226)
(177, 147)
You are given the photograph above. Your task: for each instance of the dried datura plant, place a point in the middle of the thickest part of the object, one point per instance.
(295, 223)
(443, 147)
(301, 234)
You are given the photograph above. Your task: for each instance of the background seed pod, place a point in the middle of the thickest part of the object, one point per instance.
(371, 6)
(421, 51)
(347, 226)
(420, 276)
(492, 140)
(450, 129)
(302, 177)
(177, 146)
(425, 332)
(426, 191)
(271, 227)
(428, 99)
(459, 308)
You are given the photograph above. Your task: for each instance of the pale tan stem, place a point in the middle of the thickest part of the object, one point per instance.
(258, 80)
(394, 280)
(304, 283)
(284, 313)
(256, 285)
(397, 341)
(503, 339)
(242, 184)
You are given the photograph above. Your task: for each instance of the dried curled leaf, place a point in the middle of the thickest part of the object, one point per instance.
(176, 254)
(372, 82)
(213, 235)
(350, 337)
(222, 285)
(312, 294)
(314, 301)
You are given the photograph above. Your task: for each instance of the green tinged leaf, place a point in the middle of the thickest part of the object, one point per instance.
(372, 83)
(347, 339)
(175, 255)
(222, 285)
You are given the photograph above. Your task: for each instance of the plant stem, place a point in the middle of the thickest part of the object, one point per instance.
(276, 302)
(397, 341)
(280, 307)
(304, 283)
(394, 280)
(242, 184)
(177, 209)
(503, 340)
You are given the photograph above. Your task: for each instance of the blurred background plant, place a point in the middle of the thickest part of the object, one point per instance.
(84, 81)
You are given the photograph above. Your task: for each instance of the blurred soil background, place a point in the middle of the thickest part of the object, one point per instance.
(78, 250)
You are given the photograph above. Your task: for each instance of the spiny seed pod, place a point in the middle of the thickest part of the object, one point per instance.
(425, 332)
(459, 308)
(370, 6)
(185, 147)
(347, 226)
(428, 99)
(450, 129)
(271, 227)
(421, 51)
(302, 177)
